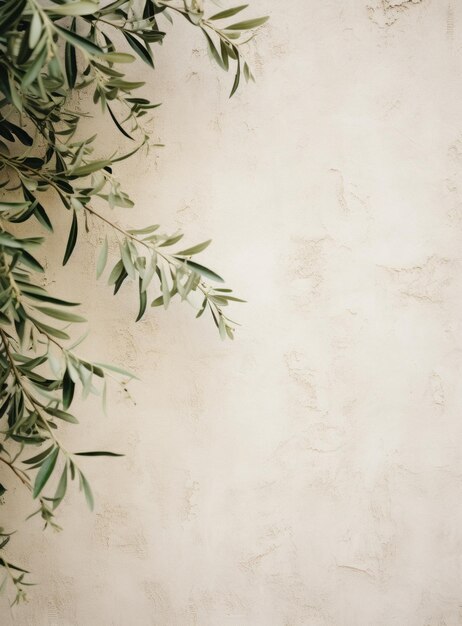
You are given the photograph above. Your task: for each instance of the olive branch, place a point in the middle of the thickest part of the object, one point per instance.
(47, 51)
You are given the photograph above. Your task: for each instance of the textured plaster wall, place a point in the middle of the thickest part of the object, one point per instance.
(310, 473)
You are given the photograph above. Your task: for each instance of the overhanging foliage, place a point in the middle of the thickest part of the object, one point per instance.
(46, 52)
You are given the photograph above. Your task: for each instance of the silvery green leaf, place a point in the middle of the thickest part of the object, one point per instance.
(35, 30)
(195, 249)
(204, 271)
(127, 259)
(84, 484)
(149, 273)
(165, 287)
(248, 24)
(61, 488)
(81, 7)
(228, 12)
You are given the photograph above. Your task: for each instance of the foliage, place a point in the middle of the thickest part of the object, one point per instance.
(46, 53)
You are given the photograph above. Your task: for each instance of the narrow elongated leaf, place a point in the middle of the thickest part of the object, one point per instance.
(12, 242)
(90, 168)
(68, 390)
(237, 77)
(5, 133)
(171, 240)
(195, 249)
(74, 8)
(44, 297)
(127, 260)
(116, 369)
(30, 261)
(204, 271)
(12, 206)
(43, 218)
(49, 330)
(142, 51)
(62, 415)
(248, 24)
(61, 488)
(35, 30)
(87, 491)
(11, 566)
(98, 453)
(71, 64)
(34, 69)
(45, 472)
(120, 280)
(149, 273)
(228, 12)
(117, 123)
(39, 457)
(84, 44)
(115, 273)
(213, 51)
(144, 231)
(233, 299)
(224, 54)
(72, 238)
(165, 287)
(118, 57)
(20, 133)
(143, 301)
(65, 316)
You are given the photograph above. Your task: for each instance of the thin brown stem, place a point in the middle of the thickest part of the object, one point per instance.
(25, 481)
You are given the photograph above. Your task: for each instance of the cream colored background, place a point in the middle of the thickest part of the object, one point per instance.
(310, 473)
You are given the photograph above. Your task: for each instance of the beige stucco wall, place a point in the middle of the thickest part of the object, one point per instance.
(310, 473)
